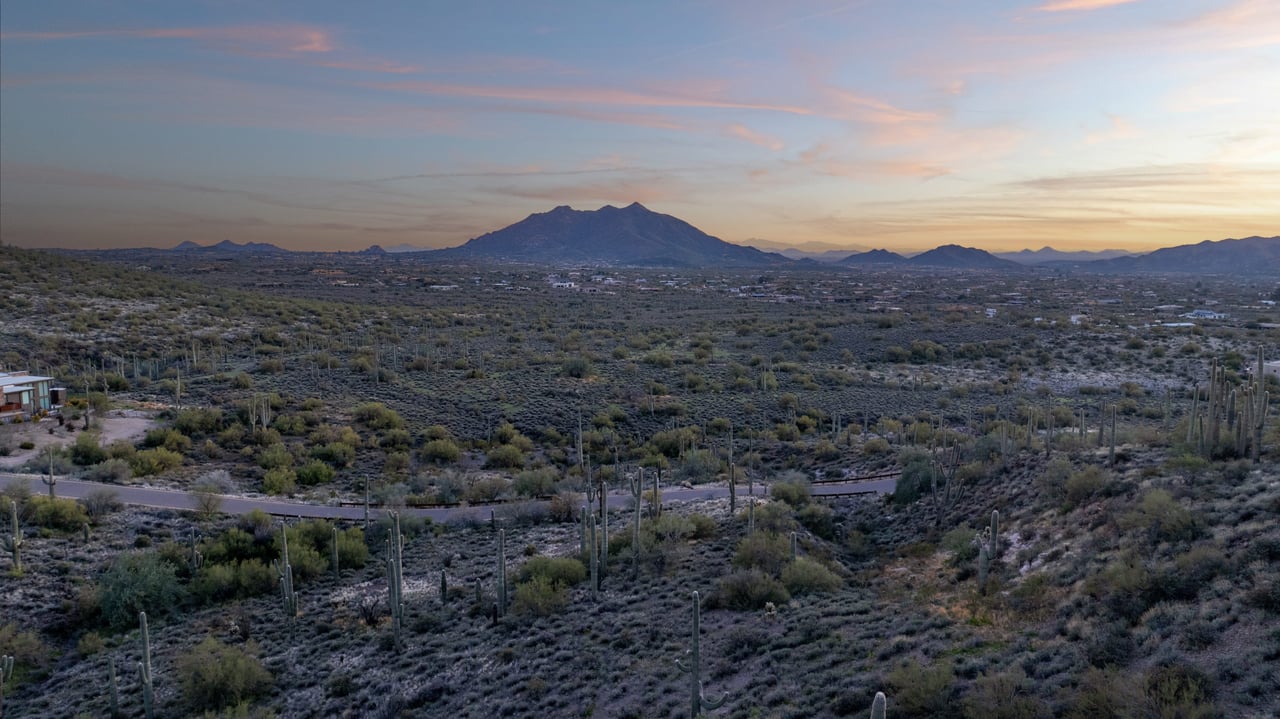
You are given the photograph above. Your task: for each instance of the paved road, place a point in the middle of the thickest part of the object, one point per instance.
(144, 496)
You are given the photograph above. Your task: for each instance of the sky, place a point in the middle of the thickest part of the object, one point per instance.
(898, 124)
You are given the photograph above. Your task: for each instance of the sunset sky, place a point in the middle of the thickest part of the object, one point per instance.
(904, 124)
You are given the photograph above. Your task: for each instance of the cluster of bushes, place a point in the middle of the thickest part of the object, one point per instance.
(236, 563)
(765, 572)
(542, 586)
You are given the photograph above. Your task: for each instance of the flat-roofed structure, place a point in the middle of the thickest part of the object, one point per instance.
(23, 394)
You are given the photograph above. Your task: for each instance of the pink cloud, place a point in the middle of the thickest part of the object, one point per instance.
(587, 96)
(742, 132)
(1070, 5)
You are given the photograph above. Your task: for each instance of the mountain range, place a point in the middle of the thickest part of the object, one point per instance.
(636, 236)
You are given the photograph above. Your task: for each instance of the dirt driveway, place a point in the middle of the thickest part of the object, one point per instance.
(125, 424)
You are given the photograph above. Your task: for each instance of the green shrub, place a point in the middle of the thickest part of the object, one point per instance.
(771, 517)
(139, 582)
(440, 451)
(214, 675)
(539, 596)
(98, 503)
(1180, 691)
(214, 583)
(1160, 515)
(86, 450)
(1004, 695)
(922, 691)
(169, 438)
(505, 456)
(275, 456)
(765, 551)
(1083, 485)
(65, 515)
(875, 446)
(819, 519)
(795, 493)
(377, 416)
(111, 471)
(280, 480)
(704, 527)
(314, 472)
(750, 589)
(535, 482)
(558, 570)
(27, 649)
(916, 479)
(805, 576)
(154, 461)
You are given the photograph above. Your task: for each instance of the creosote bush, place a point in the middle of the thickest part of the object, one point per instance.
(805, 576)
(748, 589)
(214, 675)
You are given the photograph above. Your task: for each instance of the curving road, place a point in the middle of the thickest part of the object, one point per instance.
(159, 498)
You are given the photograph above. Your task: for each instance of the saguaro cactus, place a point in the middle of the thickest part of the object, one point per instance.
(337, 573)
(502, 570)
(594, 558)
(984, 561)
(50, 480)
(697, 700)
(637, 493)
(6, 673)
(14, 541)
(144, 668)
(395, 578)
(994, 551)
(285, 571)
(114, 687)
(878, 706)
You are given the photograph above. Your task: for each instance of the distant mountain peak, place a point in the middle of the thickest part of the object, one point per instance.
(958, 257)
(631, 235)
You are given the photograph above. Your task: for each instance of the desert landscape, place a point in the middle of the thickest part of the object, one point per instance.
(1079, 518)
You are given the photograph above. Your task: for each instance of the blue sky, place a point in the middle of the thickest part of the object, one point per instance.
(1082, 124)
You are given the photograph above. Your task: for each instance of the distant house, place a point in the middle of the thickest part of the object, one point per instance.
(1204, 315)
(26, 394)
(1271, 368)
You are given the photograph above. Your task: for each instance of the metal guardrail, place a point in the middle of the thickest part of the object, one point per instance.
(856, 480)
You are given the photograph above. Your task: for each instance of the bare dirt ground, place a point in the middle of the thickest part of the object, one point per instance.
(128, 424)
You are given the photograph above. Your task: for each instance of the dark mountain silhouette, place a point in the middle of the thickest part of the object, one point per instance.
(228, 247)
(631, 235)
(1048, 254)
(874, 257)
(1251, 255)
(961, 258)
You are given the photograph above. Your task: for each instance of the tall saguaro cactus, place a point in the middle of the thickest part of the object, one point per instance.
(878, 706)
(697, 700)
(502, 572)
(285, 571)
(395, 577)
(994, 551)
(637, 493)
(51, 480)
(144, 669)
(6, 673)
(14, 541)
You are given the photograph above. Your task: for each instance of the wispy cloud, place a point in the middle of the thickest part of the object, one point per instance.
(1072, 5)
(1118, 129)
(251, 39)
(600, 96)
(742, 132)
